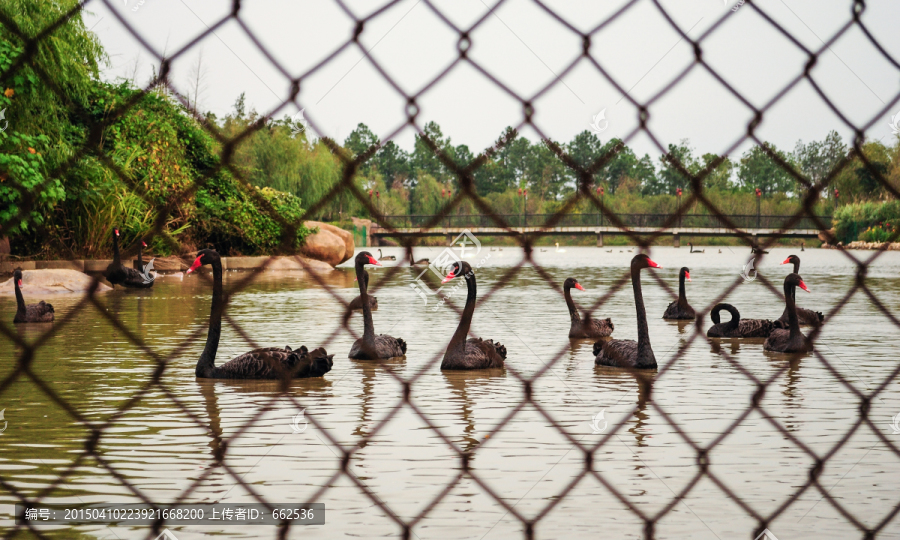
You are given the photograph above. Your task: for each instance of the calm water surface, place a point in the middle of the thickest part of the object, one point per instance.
(704, 387)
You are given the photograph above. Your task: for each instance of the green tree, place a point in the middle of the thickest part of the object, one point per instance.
(758, 170)
(392, 162)
(817, 159)
(670, 177)
(38, 136)
(425, 160)
(360, 140)
(718, 179)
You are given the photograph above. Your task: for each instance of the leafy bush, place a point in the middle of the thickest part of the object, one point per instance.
(852, 221)
(878, 233)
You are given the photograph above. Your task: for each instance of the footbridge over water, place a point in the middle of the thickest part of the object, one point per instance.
(688, 225)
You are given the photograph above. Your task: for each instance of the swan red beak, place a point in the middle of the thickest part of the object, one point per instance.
(579, 287)
(652, 264)
(143, 243)
(787, 261)
(804, 287)
(116, 231)
(20, 283)
(687, 276)
(197, 264)
(450, 276)
(373, 261)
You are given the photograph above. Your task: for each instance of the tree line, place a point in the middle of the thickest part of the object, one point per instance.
(419, 182)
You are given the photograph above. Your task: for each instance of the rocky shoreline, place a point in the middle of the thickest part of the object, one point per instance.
(859, 244)
(324, 249)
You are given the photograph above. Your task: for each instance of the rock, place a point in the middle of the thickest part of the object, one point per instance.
(167, 265)
(35, 282)
(331, 244)
(299, 263)
(827, 236)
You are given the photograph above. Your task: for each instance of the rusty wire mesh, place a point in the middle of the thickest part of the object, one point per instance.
(809, 190)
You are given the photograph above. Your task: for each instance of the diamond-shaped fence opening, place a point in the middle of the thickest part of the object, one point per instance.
(712, 443)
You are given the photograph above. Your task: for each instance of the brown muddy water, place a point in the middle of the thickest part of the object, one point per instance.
(162, 448)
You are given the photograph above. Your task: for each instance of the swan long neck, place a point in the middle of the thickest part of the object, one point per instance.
(735, 316)
(140, 257)
(20, 300)
(116, 258)
(458, 341)
(368, 323)
(793, 322)
(643, 341)
(207, 363)
(682, 299)
(796, 271)
(573, 313)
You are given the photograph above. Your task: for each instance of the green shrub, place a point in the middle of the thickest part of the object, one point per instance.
(852, 221)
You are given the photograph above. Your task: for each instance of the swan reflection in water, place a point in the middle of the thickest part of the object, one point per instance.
(610, 379)
(371, 371)
(682, 325)
(253, 392)
(462, 385)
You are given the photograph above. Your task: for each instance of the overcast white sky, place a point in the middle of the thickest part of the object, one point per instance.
(526, 49)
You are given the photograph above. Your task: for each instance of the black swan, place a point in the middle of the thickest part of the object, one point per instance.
(806, 317)
(695, 250)
(791, 340)
(680, 309)
(386, 257)
(117, 274)
(40, 312)
(370, 346)
(737, 327)
(625, 352)
(356, 303)
(587, 328)
(472, 353)
(422, 262)
(265, 363)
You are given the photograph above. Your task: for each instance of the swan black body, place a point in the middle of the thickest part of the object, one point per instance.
(118, 274)
(737, 327)
(587, 328)
(805, 317)
(264, 363)
(625, 352)
(680, 309)
(472, 353)
(790, 340)
(370, 346)
(40, 312)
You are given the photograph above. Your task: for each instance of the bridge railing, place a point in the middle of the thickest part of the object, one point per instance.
(686, 221)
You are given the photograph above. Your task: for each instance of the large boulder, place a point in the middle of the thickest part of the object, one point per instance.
(39, 282)
(331, 244)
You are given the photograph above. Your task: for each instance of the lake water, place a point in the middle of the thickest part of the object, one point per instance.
(162, 448)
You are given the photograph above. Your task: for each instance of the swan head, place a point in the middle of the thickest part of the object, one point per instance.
(686, 271)
(642, 261)
(17, 275)
(365, 257)
(143, 244)
(793, 259)
(458, 268)
(572, 282)
(796, 281)
(204, 256)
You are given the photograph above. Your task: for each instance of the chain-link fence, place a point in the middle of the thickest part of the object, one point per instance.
(649, 523)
